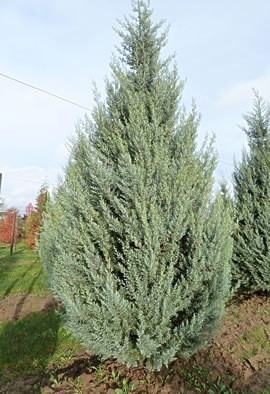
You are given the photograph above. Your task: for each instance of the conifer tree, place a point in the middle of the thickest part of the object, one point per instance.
(251, 256)
(225, 194)
(135, 246)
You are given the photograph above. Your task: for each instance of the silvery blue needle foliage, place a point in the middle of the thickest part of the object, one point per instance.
(135, 244)
(251, 256)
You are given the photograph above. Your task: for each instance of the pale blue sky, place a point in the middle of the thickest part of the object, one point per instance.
(222, 49)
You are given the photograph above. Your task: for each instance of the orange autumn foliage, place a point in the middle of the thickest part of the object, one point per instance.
(32, 226)
(6, 225)
(34, 217)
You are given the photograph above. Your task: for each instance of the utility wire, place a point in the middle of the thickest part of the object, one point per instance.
(38, 182)
(21, 180)
(25, 180)
(44, 91)
(224, 162)
(61, 98)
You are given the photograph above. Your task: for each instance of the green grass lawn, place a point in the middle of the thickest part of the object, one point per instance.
(21, 272)
(22, 253)
(38, 340)
(31, 344)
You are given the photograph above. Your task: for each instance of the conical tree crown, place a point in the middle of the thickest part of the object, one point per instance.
(142, 86)
(251, 256)
(258, 125)
(135, 246)
(141, 45)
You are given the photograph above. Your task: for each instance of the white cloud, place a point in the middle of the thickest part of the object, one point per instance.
(21, 185)
(242, 92)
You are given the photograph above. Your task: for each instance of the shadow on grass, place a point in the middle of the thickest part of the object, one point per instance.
(23, 299)
(22, 253)
(22, 278)
(19, 278)
(29, 343)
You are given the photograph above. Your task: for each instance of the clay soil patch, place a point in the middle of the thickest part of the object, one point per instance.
(238, 359)
(17, 306)
(240, 352)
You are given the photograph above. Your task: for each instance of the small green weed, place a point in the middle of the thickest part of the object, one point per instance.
(147, 380)
(100, 373)
(235, 313)
(165, 379)
(257, 338)
(264, 312)
(199, 379)
(65, 355)
(126, 387)
(77, 385)
(36, 387)
(230, 350)
(55, 379)
(116, 375)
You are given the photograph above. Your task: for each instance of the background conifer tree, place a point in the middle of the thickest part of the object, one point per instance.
(225, 194)
(251, 256)
(135, 246)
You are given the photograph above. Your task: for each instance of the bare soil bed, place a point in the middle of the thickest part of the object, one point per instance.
(17, 306)
(237, 361)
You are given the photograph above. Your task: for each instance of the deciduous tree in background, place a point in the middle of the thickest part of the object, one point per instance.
(34, 217)
(135, 246)
(7, 223)
(28, 210)
(251, 257)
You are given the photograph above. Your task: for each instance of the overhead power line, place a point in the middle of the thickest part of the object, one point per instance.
(26, 180)
(44, 91)
(224, 162)
(22, 180)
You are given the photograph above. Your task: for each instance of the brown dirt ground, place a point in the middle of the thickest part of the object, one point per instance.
(17, 306)
(240, 354)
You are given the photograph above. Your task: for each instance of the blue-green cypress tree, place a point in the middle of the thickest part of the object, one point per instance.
(135, 245)
(251, 255)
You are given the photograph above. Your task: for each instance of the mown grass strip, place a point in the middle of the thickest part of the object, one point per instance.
(22, 253)
(33, 343)
(21, 272)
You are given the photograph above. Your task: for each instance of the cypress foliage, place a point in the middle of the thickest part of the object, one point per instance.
(225, 194)
(135, 245)
(251, 255)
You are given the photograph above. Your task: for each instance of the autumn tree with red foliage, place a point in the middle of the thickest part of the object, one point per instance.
(34, 217)
(29, 209)
(7, 222)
